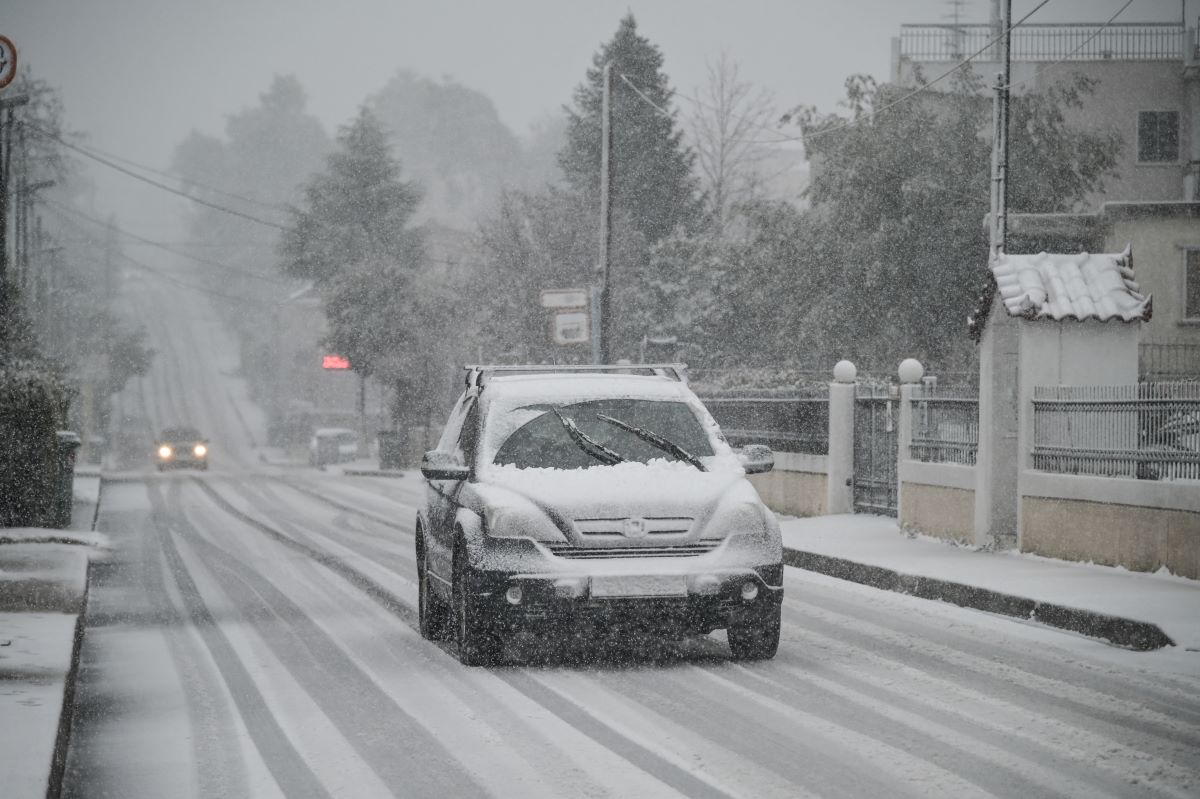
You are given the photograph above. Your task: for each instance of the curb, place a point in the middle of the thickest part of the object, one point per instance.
(1137, 635)
(372, 473)
(66, 717)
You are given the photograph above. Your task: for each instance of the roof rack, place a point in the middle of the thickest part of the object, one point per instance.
(478, 373)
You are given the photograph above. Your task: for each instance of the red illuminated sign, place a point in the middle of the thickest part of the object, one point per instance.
(334, 362)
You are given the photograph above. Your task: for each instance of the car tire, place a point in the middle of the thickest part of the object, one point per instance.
(756, 638)
(431, 612)
(477, 645)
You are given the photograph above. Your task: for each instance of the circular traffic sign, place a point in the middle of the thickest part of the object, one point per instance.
(8, 61)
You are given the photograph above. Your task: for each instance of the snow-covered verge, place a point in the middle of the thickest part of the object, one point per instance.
(42, 570)
(35, 659)
(1172, 603)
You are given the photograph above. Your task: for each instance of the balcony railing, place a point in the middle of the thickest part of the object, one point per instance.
(1141, 41)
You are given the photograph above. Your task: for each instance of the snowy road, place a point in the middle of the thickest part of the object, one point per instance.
(254, 636)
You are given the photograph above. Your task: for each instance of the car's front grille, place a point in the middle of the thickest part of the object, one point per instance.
(677, 551)
(653, 525)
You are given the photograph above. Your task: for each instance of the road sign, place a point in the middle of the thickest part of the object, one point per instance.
(334, 362)
(8, 61)
(571, 327)
(565, 298)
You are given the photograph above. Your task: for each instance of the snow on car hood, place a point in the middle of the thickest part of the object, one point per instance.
(657, 488)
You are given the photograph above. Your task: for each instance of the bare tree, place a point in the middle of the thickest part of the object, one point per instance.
(730, 123)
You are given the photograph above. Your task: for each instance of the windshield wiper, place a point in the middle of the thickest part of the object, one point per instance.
(588, 445)
(654, 439)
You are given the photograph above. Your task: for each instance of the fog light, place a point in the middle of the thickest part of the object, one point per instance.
(164, 452)
(200, 451)
(749, 591)
(568, 589)
(513, 594)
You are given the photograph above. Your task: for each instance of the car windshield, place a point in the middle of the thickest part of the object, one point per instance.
(545, 441)
(180, 434)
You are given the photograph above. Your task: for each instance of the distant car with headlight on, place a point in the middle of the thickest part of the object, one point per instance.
(181, 448)
(587, 500)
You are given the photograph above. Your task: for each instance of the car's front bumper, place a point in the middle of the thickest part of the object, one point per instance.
(525, 585)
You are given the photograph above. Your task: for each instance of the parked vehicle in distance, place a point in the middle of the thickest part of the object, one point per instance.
(181, 447)
(579, 500)
(332, 445)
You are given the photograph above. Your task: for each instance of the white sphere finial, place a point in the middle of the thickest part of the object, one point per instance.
(845, 372)
(911, 371)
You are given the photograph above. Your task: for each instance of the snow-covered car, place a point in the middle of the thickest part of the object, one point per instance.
(593, 499)
(181, 447)
(332, 445)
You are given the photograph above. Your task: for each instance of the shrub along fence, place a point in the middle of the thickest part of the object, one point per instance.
(33, 407)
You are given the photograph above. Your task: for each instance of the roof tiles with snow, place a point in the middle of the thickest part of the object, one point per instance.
(1080, 286)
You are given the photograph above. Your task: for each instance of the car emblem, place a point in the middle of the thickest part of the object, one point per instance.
(633, 528)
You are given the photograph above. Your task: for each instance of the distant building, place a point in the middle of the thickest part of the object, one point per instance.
(1147, 88)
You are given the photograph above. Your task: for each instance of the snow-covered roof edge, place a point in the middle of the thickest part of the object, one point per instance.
(1061, 287)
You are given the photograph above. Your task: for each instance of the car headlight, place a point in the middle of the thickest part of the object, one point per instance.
(200, 450)
(164, 452)
(506, 522)
(740, 518)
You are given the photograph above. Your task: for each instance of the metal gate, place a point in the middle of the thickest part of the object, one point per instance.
(876, 413)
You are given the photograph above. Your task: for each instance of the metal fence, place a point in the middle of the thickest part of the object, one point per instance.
(1142, 41)
(1150, 431)
(785, 423)
(945, 428)
(1167, 362)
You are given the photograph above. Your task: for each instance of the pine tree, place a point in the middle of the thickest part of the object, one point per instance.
(653, 182)
(359, 209)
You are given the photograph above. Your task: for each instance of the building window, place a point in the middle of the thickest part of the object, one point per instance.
(1191, 285)
(1158, 137)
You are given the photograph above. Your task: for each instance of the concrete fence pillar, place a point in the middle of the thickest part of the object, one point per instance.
(840, 482)
(911, 371)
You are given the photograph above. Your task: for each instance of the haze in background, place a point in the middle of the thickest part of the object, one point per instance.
(138, 75)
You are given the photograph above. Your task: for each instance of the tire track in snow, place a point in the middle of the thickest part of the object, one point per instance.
(1179, 704)
(290, 771)
(362, 712)
(997, 680)
(583, 721)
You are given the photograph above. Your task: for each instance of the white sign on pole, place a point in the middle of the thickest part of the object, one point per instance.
(571, 327)
(565, 298)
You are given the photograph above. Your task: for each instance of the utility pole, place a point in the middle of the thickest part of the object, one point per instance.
(602, 350)
(997, 464)
(1000, 106)
(7, 106)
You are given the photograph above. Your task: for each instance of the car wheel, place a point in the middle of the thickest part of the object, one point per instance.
(756, 638)
(430, 610)
(477, 646)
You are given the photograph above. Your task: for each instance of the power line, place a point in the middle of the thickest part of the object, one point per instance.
(164, 276)
(1081, 45)
(224, 267)
(165, 174)
(925, 87)
(152, 182)
(850, 123)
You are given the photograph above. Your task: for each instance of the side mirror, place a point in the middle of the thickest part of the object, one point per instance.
(437, 465)
(756, 458)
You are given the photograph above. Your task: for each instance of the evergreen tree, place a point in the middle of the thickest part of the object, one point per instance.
(355, 240)
(358, 209)
(653, 182)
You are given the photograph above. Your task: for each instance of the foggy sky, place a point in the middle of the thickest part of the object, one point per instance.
(137, 76)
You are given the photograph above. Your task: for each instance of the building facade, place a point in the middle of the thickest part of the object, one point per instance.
(1146, 88)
